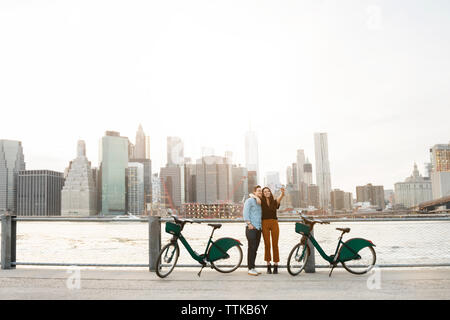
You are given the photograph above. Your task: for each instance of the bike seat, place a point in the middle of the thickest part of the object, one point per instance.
(344, 230)
(215, 225)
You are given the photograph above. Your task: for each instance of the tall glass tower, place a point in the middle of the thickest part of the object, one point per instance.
(113, 163)
(11, 161)
(323, 175)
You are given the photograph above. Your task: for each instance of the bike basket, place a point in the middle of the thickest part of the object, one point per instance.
(173, 228)
(301, 228)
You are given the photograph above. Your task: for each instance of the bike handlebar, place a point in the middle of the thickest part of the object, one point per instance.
(306, 219)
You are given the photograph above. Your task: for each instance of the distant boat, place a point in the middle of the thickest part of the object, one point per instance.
(127, 216)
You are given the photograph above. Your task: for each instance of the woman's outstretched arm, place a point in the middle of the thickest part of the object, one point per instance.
(281, 196)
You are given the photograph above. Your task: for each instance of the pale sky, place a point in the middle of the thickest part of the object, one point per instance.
(374, 75)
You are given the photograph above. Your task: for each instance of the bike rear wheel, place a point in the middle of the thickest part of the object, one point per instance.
(231, 263)
(364, 264)
(297, 258)
(167, 259)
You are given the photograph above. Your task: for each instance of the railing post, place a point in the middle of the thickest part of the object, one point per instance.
(310, 266)
(8, 244)
(154, 241)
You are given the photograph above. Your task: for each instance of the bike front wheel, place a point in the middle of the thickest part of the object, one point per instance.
(230, 263)
(167, 259)
(363, 264)
(297, 258)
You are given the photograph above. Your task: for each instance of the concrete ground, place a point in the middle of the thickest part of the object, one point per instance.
(183, 283)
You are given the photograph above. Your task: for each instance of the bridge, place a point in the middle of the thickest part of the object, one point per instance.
(428, 206)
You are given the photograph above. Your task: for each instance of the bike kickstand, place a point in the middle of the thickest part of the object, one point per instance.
(200, 271)
(331, 271)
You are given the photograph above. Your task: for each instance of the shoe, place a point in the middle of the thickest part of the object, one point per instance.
(252, 272)
(257, 271)
(269, 269)
(275, 269)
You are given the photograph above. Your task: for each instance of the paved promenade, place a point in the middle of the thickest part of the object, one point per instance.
(405, 283)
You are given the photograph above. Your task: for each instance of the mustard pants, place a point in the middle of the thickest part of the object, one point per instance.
(270, 227)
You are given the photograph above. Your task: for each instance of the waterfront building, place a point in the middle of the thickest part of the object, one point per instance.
(135, 188)
(337, 199)
(213, 210)
(190, 176)
(113, 161)
(213, 180)
(348, 201)
(252, 180)
(147, 165)
(372, 194)
(11, 162)
(79, 194)
(440, 174)
(156, 189)
(172, 186)
(292, 196)
(240, 183)
(314, 196)
(39, 192)
(323, 175)
(414, 190)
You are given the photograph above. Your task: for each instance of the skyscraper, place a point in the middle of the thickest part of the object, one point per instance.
(39, 193)
(307, 172)
(213, 180)
(113, 160)
(440, 174)
(295, 175)
(323, 175)
(172, 186)
(140, 146)
(251, 153)
(175, 151)
(289, 178)
(11, 162)
(141, 155)
(135, 188)
(79, 194)
(300, 167)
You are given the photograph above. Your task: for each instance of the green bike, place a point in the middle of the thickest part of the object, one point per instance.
(224, 249)
(356, 255)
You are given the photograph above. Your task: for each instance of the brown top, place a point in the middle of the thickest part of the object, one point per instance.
(269, 211)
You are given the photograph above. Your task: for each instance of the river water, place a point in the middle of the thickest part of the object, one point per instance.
(125, 242)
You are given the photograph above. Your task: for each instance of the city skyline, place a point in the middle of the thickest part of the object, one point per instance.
(378, 85)
(62, 166)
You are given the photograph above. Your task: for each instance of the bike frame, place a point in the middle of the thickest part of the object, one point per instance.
(194, 255)
(333, 259)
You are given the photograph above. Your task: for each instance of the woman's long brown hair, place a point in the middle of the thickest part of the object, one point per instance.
(271, 198)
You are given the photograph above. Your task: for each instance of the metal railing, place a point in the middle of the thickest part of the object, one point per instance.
(9, 239)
